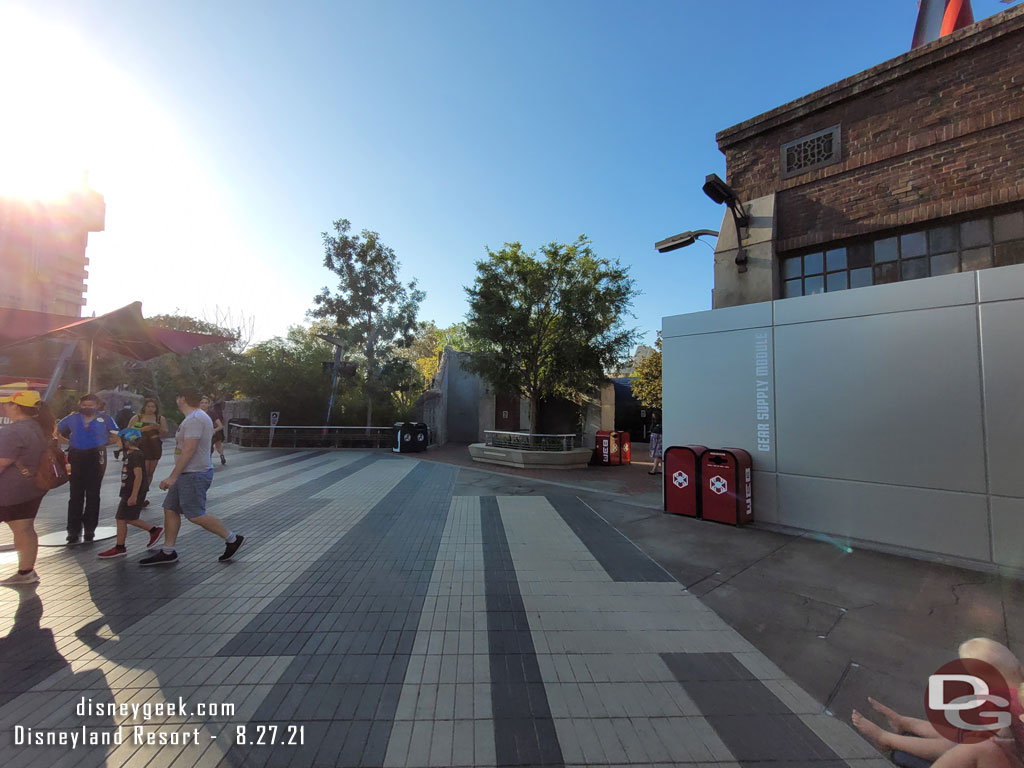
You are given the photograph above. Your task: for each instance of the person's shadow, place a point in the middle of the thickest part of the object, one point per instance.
(123, 595)
(28, 657)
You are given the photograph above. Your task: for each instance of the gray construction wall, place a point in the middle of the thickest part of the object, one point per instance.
(464, 390)
(890, 414)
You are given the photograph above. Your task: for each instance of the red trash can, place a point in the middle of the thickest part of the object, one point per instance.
(682, 479)
(725, 486)
(603, 447)
(624, 454)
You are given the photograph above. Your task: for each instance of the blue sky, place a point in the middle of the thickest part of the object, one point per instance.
(234, 133)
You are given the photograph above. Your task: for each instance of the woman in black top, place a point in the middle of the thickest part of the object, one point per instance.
(22, 443)
(153, 427)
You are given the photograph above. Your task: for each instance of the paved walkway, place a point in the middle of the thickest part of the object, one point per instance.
(631, 480)
(383, 613)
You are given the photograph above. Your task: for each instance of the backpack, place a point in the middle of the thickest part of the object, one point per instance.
(52, 470)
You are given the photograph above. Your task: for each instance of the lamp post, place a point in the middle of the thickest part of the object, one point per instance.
(682, 240)
(338, 343)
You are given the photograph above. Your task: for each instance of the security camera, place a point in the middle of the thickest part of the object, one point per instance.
(718, 190)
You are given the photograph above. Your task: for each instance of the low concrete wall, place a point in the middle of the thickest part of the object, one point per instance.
(887, 414)
(511, 457)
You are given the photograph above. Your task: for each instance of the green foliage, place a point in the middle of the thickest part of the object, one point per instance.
(646, 382)
(548, 326)
(403, 380)
(287, 375)
(428, 345)
(371, 310)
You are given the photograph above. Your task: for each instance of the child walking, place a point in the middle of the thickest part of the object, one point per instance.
(134, 486)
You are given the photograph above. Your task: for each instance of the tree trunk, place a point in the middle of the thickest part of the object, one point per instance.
(534, 412)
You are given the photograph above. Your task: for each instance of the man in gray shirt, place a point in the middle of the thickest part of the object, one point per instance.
(188, 483)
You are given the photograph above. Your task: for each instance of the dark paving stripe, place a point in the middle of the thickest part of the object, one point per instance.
(752, 722)
(248, 458)
(309, 488)
(251, 461)
(124, 593)
(350, 620)
(616, 554)
(524, 732)
(280, 478)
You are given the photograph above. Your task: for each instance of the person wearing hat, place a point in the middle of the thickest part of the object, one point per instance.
(22, 443)
(88, 431)
(134, 486)
(122, 419)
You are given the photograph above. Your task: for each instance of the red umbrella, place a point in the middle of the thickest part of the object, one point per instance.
(124, 331)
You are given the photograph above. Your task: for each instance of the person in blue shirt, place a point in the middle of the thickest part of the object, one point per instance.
(88, 431)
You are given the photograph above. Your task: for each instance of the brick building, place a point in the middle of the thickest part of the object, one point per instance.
(870, 356)
(42, 249)
(910, 169)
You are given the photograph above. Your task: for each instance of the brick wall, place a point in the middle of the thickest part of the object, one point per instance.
(936, 132)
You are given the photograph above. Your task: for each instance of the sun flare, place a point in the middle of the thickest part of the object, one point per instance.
(71, 115)
(46, 135)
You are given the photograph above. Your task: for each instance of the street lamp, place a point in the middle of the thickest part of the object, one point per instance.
(682, 240)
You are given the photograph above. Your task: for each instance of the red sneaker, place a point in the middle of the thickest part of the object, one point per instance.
(154, 535)
(113, 552)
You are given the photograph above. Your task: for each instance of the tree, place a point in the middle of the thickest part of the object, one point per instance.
(429, 343)
(646, 381)
(423, 351)
(287, 375)
(372, 311)
(548, 326)
(404, 382)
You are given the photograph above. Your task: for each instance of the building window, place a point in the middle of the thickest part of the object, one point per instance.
(809, 152)
(944, 249)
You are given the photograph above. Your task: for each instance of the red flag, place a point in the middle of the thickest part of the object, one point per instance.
(937, 18)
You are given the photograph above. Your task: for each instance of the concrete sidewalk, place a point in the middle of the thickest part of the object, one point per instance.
(389, 611)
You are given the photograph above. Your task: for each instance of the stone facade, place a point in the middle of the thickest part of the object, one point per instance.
(460, 406)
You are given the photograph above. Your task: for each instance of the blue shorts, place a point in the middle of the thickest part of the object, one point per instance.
(188, 494)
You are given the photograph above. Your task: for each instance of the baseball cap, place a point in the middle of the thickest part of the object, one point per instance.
(26, 398)
(129, 434)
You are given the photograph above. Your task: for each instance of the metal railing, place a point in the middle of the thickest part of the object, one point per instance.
(266, 436)
(524, 441)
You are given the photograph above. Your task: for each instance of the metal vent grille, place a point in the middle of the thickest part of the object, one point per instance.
(809, 152)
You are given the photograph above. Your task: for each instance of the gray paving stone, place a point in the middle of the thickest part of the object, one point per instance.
(542, 646)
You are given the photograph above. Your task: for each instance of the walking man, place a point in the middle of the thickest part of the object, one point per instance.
(188, 483)
(88, 432)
